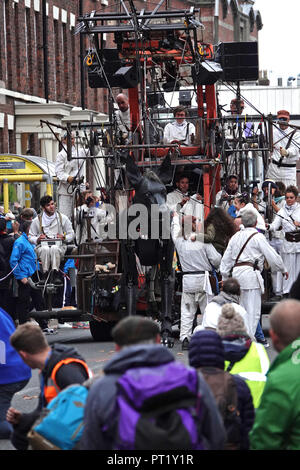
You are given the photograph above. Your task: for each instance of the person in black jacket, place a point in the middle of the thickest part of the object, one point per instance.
(60, 366)
(6, 245)
(295, 289)
(206, 350)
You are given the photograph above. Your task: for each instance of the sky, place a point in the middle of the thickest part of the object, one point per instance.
(279, 39)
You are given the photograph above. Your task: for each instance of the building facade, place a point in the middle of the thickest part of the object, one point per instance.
(41, 57)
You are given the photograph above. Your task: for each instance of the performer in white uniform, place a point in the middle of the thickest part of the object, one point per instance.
(285, 152)
(247, 268)
(179, 200)
(289, 218)
(196, 258)
(66, 171)
(277, 236)
(51, 224)
(180, 131)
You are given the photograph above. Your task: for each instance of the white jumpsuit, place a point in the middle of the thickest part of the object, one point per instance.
(51, 255)
(287, 175)
(64, 169)
(290, 251)
(181, 132)
(191, 207)
(196, 289)
(251, 281)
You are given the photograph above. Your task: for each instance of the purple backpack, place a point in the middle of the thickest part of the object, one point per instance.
(158, 408)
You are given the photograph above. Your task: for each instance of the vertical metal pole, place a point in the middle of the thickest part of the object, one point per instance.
(5, 196)
(27, 195)
(82, 75)
(45, 51)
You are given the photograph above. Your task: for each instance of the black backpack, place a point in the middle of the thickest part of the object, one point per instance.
(223, 387)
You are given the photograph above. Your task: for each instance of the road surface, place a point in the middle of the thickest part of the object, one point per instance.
(96, 354)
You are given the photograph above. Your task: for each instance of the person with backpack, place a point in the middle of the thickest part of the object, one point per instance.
(243, 357)
(232, 394)
(59, 367)
(148, 401)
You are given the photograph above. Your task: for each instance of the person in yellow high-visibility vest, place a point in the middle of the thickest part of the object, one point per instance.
(243, 356)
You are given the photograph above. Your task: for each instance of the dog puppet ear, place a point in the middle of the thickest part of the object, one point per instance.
(132, 172)
(164, 171)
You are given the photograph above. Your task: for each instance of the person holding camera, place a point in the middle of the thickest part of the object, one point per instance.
(90, 219)
(226, 196)
(69, 173)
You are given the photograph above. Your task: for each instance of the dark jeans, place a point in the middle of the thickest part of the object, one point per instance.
(259, 334)
(7, 392)
(7, 302)
(26, 294)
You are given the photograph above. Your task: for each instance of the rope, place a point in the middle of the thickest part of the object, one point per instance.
(9, 273)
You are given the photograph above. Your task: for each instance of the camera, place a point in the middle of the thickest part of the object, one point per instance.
(89, 200)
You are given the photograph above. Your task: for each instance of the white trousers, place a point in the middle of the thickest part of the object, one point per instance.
(50, 255)
(292, 264)
(251, 301)
(65, 205)
(189, 304)
(277, 278)
(288, 178)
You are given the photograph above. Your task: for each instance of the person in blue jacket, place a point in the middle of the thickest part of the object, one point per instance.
(24, 262)
(14, 373)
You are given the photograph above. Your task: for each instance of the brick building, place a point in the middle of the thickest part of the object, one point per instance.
(229, 20)
(41, 66)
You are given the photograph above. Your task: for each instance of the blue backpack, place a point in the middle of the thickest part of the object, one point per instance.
(158, 408)
(60, 426)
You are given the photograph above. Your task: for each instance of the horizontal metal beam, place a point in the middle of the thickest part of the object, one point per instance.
(129, 29)
(147, 15)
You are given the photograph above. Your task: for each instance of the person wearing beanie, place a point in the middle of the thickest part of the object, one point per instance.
(285, 151)
(207, 354)
(243, 357)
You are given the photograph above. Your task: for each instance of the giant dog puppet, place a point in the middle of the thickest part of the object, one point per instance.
(150, 190)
